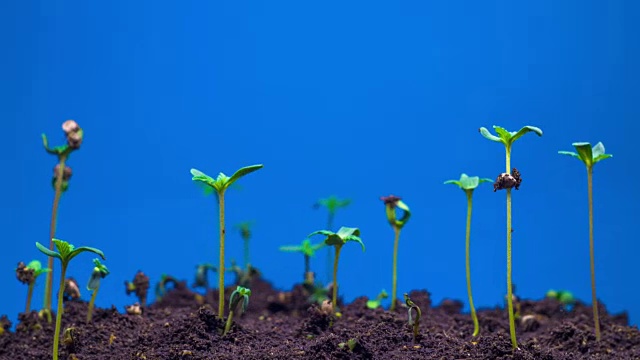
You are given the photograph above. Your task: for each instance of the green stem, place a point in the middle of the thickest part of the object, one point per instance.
(594, 299)
(48, 287)
(334, 300)
(307, 265)
(91, 303)
(221, 265)
(394, 286)
(329, 248)
(29, 295)
(246, 254)
(476, 326)
(56, 336)
(227, 326)
(512, 324)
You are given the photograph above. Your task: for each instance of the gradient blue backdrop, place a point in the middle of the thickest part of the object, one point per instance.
(357, 99)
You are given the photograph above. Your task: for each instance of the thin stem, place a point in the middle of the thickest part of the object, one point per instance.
(48, 287)
(329, 248)
(512, 324)
(227, 326)
(476, 326)
(334, 300)
(394, 284)
(307, 266)
(221, 265)
(56, 336)
(246, 254)
(91, 304)
(594, 299)
(29, 295)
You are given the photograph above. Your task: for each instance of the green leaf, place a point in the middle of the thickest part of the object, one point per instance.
(599, 153)
(333, 203)
(515, 136)
(242, 172)
(570, 153)
(47, 252)
(64, 248)
(34, 265)
(455, 182)
(504, 134)
(488, 135)
(355, 239)
(82, 249)
(344, 231)
(468, 182)
(406, 214)
(321, 232)
(585, 152)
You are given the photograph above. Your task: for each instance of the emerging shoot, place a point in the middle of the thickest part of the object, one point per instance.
(392, 202)
(468, 184)
(563, 296)
(245, 234)
(65, 253)
(161, 286)
(139, 286)
(375, 303)
(99, 272)
(332, 204)
(590, 156)
(201, 279)
(308, 251)
(239, 295)
(507, 181)
(218, 186)
(344, 235)
(413, 322)
(27, 274)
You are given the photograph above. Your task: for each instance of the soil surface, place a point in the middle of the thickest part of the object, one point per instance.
(284, 325)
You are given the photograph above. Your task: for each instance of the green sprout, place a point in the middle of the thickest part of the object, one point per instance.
(27, 274)
(468, 184)
(238, 295)
(414, 323)
(243, 276)
(344, 235)
(308, 251)
(99, 272)
(65, 253)
(375, 303)
(201, 275)
(218, 186)
(332, 204)
(507, 181)
(161, 286)
(350, 344)
(563, 296)
(590, 156)
(62, 174)
(391, 202)
(245, 234)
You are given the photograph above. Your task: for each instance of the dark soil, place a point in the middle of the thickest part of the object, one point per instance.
(283, 325)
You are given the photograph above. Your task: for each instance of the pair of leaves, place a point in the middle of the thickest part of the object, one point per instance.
(587, 154)
(37, 268)
(333, 203)
(66, 251)
(468, 182)
(239, 294)
(306, 248)
(222, 182)
(100, 271)
(338, 239)
(508, 137)
(375, 303)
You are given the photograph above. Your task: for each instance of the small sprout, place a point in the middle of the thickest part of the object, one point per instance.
(350, 344)
(161, 286)
(100, 271)
(219, 186)
(66, 252)
(392, 202)
(413, 322)
(308, 251)
(374, 304)
(139, 286)
(245, 234)
(338, 239)
(27, 274)
(243, 277)
(69, 337)
(201, 276)
(239, 295)
(71, 289)
(332, 204)
(134, 309)
(563, 296)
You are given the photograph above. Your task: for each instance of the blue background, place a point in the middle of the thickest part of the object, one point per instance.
(357, 99)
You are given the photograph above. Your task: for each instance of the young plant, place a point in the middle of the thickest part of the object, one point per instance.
(99, 272)
(27, 274)
(468, 184)
(240, 294)
(161, 286)
(139, 286)
(413, 322)
(507, 181)
(218, 186)
(344, 235)
(61, 176)
(590, 156)
(243, 276)
(201, 276)
(563, 296)
(375, 303)
(308, 251)
(66, 252)
(332, 204)
(392, 202)
(245, 234)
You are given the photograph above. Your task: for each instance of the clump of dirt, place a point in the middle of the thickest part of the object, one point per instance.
(285, 325)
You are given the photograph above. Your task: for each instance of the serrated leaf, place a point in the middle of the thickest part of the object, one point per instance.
(64, 248)
(524, 130)
(47, 252)
(484, 132)
(242, 172)
(504, 134)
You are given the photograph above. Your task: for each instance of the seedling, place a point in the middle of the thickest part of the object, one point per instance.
(27, 274)
(563, 296)
(65, 253)
(240, 294)
(468, 184)
(308, 251)
(100, 271)
(507, 181)
(218, 186)
(344, 235)
(245, 234)
(243, 277)
(61, 176)
(374, 304)
(201, 276)
(392, 202)
(161, 286)
(350, 344)
(413, 322)
(139, 286)
(332, 204)
(590, 156)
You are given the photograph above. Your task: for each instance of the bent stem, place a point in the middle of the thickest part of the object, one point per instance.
(512, 324)
(476, 326)
(596, 318)
(221, 265)
(56, 336)
(48, 288)
(334, 299)
(91, 304)
(394, 285)
(227, 326)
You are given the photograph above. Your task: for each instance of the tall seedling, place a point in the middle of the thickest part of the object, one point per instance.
(392, 202)
(218, 186)
(332, 204)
